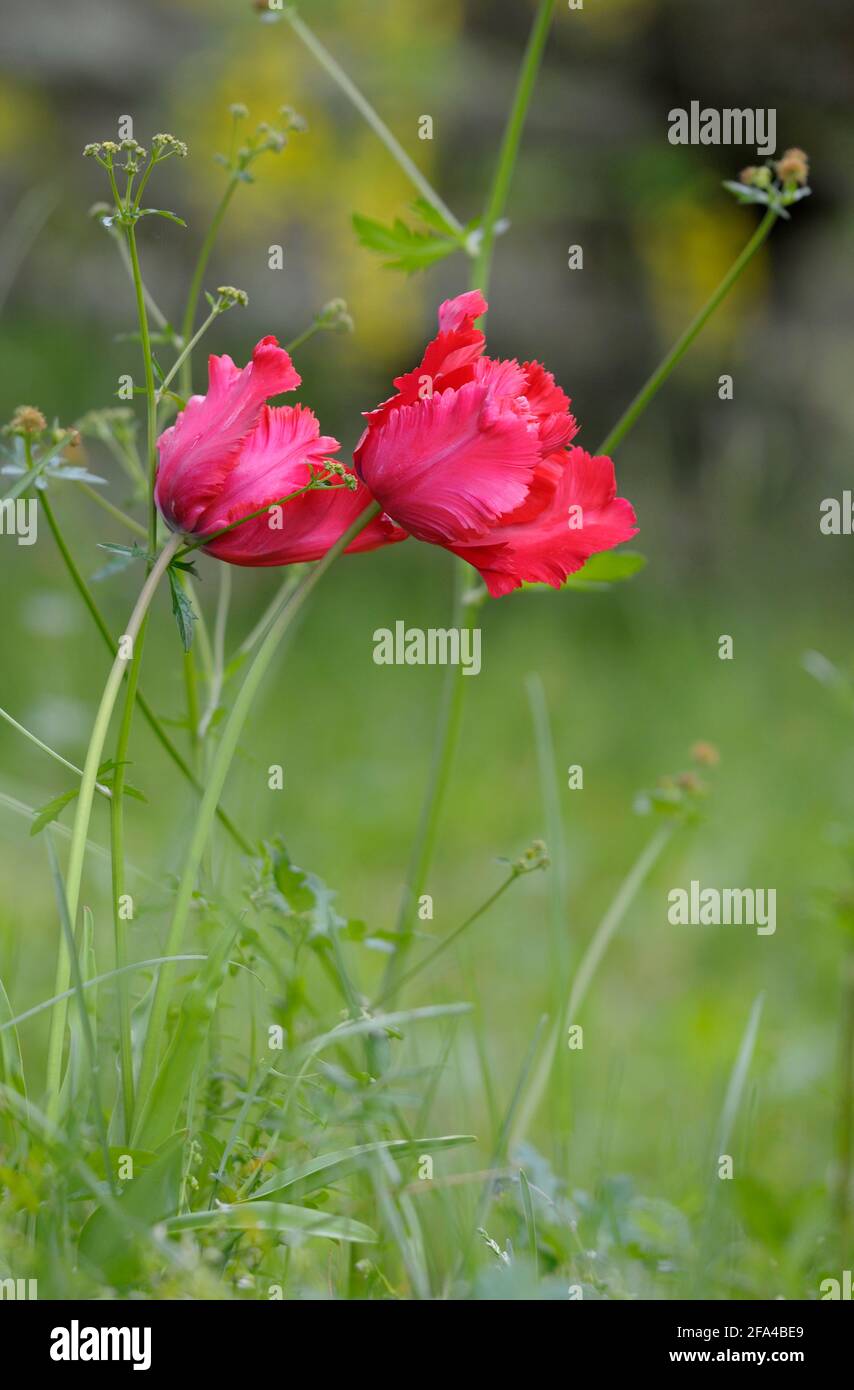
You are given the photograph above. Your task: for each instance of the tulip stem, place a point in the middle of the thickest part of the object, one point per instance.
(83, 809)
(682, 344)
(220, 766)
(147, 712)
(451, 709)
(374, 120)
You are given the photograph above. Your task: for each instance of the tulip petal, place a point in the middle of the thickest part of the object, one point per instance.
(277, 459)
(449, 465)
(197, 453)
(547, 549)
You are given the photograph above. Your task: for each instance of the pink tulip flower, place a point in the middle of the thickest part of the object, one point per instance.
(229, 454)
(475, 454)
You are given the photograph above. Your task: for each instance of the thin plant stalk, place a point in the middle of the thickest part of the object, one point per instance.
(450, 712)
(219, 771)
(147, 712)
(83, 812)
(57, 757)
(150, 390)
(374, 120)
(115, 512)
(186, 377)
(590, 962)
(682, 344)
(117, 864)
(500, 188)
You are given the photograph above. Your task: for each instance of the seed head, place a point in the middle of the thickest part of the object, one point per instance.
(794, 167)
(28, 420)
(706, 754)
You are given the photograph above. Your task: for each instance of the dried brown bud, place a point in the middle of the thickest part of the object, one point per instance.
(28, 420)
(794, 167)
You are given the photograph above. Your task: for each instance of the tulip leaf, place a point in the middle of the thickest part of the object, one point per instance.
(608, 567)
(182, 608)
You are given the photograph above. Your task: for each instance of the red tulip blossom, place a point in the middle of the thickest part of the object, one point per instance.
(229, 454)
(475, 454)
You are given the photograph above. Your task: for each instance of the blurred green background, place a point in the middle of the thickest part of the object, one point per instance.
(727, 495)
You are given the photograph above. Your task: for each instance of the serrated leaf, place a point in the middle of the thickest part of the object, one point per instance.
(51, 811)
(408, 250)
(182, 610)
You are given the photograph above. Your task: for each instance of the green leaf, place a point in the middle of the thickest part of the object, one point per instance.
(161, 212)
(608, 567)
(158, 1112)
(182, 609)
(51, 811)
(107, 1242)
(600, 571)
(273, 1216)
(330, 1168)
(406, 248)
(11, 1069)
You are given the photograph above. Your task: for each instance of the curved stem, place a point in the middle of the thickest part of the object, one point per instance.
(117, 863)
(147, 712)
(83, 811)
(220, 766)
(681, 346)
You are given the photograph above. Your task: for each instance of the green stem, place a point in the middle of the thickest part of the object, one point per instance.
(115, 512)
(444, 748)
(377, 124)
(185, 353)
(510, 144)
(681, 346)
(4, 714)
(118, 875)
(450, 713)
(147, 712)
(196, 285)
(590, 961)
(150, 389)
(448, 940)
(220, 766)
(83, 811)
